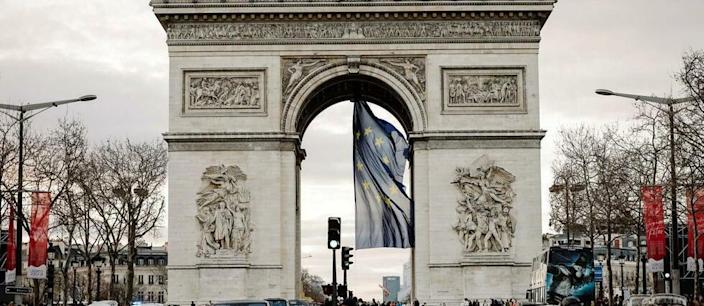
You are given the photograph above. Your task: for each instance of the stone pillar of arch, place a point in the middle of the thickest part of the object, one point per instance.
(246, 79)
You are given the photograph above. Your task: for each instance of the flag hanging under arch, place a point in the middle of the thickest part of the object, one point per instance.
(383, 210)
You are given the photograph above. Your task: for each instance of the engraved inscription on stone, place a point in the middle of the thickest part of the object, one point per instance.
(484, 220)
(469, 90)
(223, 213)
(224, 91)
(363, 32)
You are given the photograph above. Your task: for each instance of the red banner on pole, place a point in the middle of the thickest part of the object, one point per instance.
(654, 217)
(695, 210)
(11, 262)
(39, 235)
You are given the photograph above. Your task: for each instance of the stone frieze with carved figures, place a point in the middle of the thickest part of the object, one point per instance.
(223, 214)
(483, 90)
(353, 32)
(224, 92)
(485, 223)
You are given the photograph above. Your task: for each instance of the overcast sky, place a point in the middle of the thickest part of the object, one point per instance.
(115, 49)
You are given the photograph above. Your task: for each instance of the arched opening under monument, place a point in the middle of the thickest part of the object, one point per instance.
(327, 184)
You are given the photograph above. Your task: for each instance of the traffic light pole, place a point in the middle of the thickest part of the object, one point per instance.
(344, 277)
(334, 279)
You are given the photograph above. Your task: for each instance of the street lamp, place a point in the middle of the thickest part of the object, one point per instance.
(567, 188)
(98, 261)
(22, 109)
(74, 265)
(621, 261)
(674, 245)
(51, 255)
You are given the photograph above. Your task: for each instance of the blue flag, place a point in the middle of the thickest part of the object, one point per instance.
(383, 210)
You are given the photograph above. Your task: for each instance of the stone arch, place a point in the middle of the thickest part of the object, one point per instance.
(312, 95)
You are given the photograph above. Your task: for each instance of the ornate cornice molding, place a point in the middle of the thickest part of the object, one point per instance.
(365, 32)
(311, 3)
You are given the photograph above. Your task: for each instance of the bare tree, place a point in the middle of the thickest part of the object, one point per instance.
(57, 168)
(136, 174)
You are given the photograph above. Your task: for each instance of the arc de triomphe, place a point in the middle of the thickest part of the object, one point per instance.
(248, 76)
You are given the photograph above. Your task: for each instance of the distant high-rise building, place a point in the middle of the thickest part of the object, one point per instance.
(392, 285)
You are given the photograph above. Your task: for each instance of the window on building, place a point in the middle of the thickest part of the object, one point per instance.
(160, 299)
(140, 295)
(140, 262)
(162, 261)
(150, 296)
(115, 279)
(161, 279)
(140, 279)
(151, 261)
(151, 279)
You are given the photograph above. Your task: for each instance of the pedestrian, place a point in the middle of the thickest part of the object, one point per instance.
(416, 303)
(466, 302)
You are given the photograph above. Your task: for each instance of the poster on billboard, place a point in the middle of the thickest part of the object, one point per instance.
(570, 274)
(39, 235)
(695, 229)
(654, 217)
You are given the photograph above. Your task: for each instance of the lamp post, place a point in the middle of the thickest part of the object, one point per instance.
(74, 265)
(20, 118)
(50, 274)
(567, 188)
(600, 259)
(674, 244)
(98, 261)
(621, 261)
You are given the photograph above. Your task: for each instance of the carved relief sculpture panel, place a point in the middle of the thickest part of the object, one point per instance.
(224, 214)
(484, 90)
(224, 93)
(485, 223)
(352, 32)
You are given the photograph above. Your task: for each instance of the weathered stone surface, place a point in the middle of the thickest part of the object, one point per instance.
(242, 73)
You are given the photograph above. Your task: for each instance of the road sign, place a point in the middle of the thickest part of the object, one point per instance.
(18, 290)
(598, 274)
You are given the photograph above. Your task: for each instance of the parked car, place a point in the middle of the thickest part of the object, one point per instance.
(664, 299)
(104, 303)
(298, 303)
(277, 302)
(242, 303)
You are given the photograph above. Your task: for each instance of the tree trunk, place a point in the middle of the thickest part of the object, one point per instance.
(64, 275)
(608, 263)
(132, 256)
(112, 277)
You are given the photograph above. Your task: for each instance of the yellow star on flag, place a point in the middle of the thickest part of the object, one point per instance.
(357, 134)
(365, 184)
(378, 198)
(385, 160)
(360, 166)
(379, 141)
(393, 190)
(367, 131)
(387, 201)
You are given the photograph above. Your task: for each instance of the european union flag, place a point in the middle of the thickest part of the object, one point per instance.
(384, 211)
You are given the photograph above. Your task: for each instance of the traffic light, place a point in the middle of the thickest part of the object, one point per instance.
(342, 291)
(346, 256)
(327, 289)
(334, 233)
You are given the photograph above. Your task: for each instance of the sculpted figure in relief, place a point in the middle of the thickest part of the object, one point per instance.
(223, 213)
(223, 92)
(296, 72)
(481, 89)
(485, 223)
